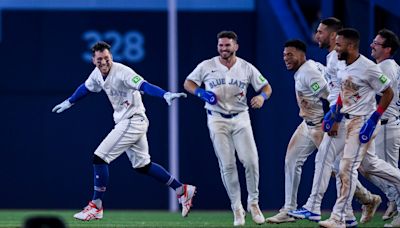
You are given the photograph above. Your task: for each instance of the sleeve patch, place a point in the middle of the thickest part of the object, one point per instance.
(315, 87)
(383, 79)
(136, 79)
(262, 79)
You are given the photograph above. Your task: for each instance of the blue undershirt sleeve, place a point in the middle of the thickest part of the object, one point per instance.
(152, 90)
(79, 93)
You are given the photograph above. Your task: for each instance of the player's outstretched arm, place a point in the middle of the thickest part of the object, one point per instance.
(258, 101)
(79, 93)
(204, 95)
(154, 90)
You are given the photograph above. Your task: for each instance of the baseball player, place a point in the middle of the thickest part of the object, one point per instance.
(331, 148)
(387, 140)
(360, 80)
(226, 78)
(122, 86)
(311, 93)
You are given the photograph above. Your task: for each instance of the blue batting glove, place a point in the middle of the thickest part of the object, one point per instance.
(329, 120)
(206, 96)
(332, 116)
(368, 128)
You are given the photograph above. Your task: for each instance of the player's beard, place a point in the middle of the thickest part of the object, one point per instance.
(226, 55)
(343, 56)
(324, 45)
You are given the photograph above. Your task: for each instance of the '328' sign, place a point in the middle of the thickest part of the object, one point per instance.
(126, 47)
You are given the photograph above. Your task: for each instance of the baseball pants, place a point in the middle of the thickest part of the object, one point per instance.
(229, 135)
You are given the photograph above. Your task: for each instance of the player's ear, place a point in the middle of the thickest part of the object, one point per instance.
(93, 60)
(236, 47)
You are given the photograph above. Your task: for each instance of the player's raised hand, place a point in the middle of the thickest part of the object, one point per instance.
(62, 106)
(257, 101)
(169, 97)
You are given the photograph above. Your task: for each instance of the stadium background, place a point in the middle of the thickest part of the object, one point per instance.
(46, 158)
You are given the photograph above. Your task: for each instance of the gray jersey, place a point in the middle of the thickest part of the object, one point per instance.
(122, 88)
(310, 86)
(332, 66)
(230, 85)
(360, 82)
(390, 68)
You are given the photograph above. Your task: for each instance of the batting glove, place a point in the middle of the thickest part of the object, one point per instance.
(169, 97)
(206, 96)
(332, 116)
(62, 106)
(368, 128)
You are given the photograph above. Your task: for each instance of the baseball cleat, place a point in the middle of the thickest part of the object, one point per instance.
(303, 213)
(391, 211)
(90, 212)
(239, 217)
(281, 217)
(368, 210)
(332, 223)
(351, 223)
(395, 222)
(186, 198)
(256, 213)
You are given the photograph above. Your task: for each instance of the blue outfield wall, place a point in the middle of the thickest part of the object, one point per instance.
(47, 157)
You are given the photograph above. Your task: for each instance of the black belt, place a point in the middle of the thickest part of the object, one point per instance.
(385, 121)
(312, 124)
(348, 116)
(227, 116)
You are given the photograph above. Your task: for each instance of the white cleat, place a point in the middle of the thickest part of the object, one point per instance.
(256, 213)
(368, 210)
(332, 223)
(186, 198)
(281, 217)
(90, 212)
(395, 222)
(239, 217)
(391, 211)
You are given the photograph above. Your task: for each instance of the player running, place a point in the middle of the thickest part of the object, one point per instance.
(311, 93)
(360, 80)
(123, 86)
(226, 78)
(383, 47)
(331, 149)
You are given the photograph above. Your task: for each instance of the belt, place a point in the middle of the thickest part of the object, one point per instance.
(312, 124)
(385, 121)
(349, 116)
(227, 116)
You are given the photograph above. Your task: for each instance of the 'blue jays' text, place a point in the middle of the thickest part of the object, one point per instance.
(221, 81)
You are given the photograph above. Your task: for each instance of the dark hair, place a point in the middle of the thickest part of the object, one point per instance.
(332, 23)
(350, 34)
(391, 40)
(100, 46)
(298, 44)
(228, 34)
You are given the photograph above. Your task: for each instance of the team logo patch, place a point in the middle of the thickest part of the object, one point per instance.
(315, 87)
(262, 79)
(136, 79)
(383, 79)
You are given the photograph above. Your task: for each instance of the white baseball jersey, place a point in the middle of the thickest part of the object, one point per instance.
(122, 88)
(390, 68)
(230, 85)
(332, 66)
(361, 81)
(310, 86)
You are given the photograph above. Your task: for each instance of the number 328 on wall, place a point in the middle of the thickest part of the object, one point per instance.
(126, 47)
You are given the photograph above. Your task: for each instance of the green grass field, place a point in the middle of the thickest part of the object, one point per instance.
(126, 218)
